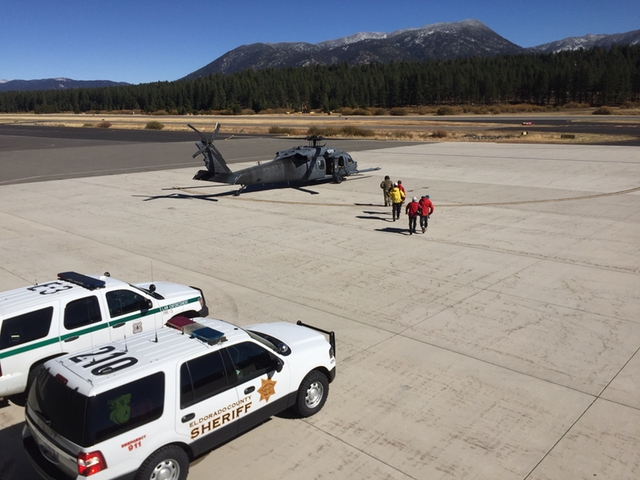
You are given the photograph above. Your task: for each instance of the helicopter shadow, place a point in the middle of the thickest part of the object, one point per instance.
(213, 197)
(183, 196)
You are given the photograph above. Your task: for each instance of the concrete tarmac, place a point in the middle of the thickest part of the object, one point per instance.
(501, 344)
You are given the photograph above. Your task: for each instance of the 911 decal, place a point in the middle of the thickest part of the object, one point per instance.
(133, 444)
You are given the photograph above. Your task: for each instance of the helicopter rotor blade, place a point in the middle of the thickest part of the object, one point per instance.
(202, 150)
(204, 139)
(215, 133)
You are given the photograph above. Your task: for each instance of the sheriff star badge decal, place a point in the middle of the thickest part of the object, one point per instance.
(267, 389)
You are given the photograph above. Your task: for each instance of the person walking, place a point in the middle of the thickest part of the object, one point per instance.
(426, 209)
(401, 187)
(412, 209)
(386, 185)
(395, 194)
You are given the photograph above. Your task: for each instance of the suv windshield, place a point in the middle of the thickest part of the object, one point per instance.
(154, 294)
(271, 342)
(86, 421)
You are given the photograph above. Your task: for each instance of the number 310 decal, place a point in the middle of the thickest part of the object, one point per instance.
(105, 360)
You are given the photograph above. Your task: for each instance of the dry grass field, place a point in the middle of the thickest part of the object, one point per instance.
(383, 127)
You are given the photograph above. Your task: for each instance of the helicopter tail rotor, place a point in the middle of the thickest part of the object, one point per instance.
(213, 160)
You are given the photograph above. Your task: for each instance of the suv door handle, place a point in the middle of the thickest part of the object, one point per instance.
(71, 339)
(188, 417)
(248, 390)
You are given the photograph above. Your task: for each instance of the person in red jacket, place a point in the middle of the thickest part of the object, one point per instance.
(426, 209)
(401, 187)
(412, 210)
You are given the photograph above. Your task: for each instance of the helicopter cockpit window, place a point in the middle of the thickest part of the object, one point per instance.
(321, 164)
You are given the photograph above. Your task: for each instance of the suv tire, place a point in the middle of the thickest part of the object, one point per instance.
(166, 463)
(312, 394)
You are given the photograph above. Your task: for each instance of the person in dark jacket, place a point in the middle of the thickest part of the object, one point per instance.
(386, 185)
(412, 210)
(426, 209)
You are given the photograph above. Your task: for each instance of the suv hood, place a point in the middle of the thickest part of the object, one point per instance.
(291, 334)
(171, 291)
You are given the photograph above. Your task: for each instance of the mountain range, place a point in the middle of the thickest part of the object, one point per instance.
(54, 84)
(438, 41)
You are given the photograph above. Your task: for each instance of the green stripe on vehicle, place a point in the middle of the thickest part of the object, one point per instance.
(91, 329)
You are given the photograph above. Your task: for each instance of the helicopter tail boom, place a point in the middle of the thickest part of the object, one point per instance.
(213, 159)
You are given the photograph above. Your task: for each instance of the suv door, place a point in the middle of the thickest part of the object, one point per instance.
(83, 325)
(129, 312)
(261, 378)
(25, 340)
(209, 406)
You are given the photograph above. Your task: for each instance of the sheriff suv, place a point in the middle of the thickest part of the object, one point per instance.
(144, 407)
(75, 312)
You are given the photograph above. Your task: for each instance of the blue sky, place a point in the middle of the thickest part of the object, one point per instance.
(139, 41)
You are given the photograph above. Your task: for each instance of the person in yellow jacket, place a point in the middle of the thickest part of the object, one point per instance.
(397, 197)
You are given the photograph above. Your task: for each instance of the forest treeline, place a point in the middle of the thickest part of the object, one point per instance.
(595, 77)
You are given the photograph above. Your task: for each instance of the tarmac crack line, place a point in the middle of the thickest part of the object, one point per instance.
(596, 398)
(360, 450)
(449, 205)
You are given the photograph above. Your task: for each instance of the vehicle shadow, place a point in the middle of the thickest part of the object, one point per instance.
(14, 464)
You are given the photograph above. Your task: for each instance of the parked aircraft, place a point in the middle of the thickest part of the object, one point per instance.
(299, 165)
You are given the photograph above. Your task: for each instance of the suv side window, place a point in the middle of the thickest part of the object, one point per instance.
(82, 312)
(25, 328)
(250, 360)
(202, 378)
(122, 302)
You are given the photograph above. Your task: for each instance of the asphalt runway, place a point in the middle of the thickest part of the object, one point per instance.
(617, 125)
(32, 153)
(502, 344)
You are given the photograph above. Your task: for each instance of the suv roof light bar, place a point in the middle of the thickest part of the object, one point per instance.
(208, 335)
(85, 281)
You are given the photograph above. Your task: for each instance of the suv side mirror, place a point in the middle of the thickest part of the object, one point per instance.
(279, 365)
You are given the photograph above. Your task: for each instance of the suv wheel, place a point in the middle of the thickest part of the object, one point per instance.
(166, 463)
(312, 394)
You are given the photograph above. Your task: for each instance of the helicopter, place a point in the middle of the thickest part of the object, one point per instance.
(302, 164)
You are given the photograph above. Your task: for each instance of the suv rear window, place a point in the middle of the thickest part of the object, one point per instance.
(25, 328)
(88, 420)
(84, 311)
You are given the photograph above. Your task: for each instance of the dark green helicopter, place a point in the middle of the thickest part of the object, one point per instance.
(298, 165)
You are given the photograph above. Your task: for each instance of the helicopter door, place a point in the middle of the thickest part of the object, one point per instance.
(330, 166)
(321, 165)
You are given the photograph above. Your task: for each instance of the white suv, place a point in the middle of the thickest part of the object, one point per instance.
(77, 311)
(145, 407)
